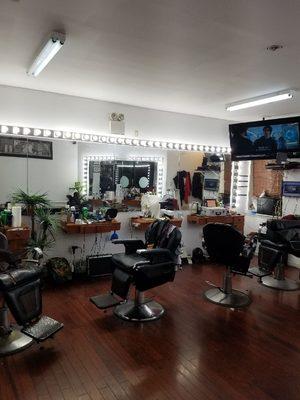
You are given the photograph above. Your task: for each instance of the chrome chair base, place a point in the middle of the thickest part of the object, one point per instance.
(280, 284)
(143, 312)
(14, 342)
(235, 299)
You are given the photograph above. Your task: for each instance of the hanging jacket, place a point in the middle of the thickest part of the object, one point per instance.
(180, 183)
(187, 187)
(197, 185)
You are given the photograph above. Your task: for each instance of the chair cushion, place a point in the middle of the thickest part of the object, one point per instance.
(126, 261)
(16, 277)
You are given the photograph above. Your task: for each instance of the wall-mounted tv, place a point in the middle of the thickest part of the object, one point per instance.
(264, 139)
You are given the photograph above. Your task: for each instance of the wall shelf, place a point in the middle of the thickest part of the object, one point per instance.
(97, 227)
(142, 224)
(236, 220)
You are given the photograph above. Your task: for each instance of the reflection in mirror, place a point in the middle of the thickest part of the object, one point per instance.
(199, 178)
(121, 178)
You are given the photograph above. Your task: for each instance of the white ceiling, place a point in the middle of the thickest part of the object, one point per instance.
(188, 56)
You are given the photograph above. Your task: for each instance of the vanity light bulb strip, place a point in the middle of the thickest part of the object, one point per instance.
(87, 159)
(93, 138)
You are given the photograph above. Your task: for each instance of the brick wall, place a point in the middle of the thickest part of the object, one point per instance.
(265, 179)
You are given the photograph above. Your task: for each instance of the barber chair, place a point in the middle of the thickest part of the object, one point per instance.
(20, 293)
(145, 266)
(225, 245)
(282, 238)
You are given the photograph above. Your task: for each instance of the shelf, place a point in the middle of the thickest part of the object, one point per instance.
(142, 224)
(97, 227)
(283, 167)
(236, 220)
(17, 237)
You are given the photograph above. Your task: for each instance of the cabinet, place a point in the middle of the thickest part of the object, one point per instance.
(17, 237)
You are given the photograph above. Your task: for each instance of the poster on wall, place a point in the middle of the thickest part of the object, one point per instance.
(19, 147)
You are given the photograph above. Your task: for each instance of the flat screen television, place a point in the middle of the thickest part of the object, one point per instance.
(262, 140)
(211, 184)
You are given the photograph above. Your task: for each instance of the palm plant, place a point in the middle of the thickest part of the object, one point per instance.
(48, 225)
(32, 202)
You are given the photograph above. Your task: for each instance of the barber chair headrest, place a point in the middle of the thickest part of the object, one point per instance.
(16, 277)
(163, 234)
(111, 214)
(282, 224)
(223, 242)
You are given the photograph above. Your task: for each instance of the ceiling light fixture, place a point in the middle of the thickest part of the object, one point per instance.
(53, 45)
(260, 100)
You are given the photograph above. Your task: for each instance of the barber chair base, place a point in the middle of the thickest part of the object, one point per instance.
(147, 311)
(280, 284)
(235, 299)
(14, 342)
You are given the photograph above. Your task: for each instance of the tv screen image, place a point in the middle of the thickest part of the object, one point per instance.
(211, 184)
(264, 139)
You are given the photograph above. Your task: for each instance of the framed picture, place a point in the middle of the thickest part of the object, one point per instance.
(21, 147)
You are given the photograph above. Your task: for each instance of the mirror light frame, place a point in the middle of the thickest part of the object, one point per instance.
(158, 160)
(11, 130)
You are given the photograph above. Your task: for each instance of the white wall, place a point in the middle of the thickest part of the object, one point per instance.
(39, 109)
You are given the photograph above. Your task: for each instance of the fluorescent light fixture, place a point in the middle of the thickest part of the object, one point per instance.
(260, 100)
(53, 45)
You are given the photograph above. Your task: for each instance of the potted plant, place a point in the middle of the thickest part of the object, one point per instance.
(31, 202)
(43, 223)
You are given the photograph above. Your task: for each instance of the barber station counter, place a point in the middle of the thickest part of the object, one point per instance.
(235, 220)
(96, 227)
(191, 235)
(142, 224)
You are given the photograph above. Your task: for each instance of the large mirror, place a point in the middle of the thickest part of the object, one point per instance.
(199, 177)
(109, 179)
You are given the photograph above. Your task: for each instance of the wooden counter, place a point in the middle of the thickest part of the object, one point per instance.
(96, 227)
(17, 237)
(142, 224)
(132, 203)
(236, 220)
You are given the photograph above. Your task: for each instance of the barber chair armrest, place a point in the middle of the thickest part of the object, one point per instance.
(131, 245)
(157, 255)
(140, 264)
(273, 245)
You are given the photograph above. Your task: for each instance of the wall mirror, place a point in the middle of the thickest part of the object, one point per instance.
(201, 175)
(109, 178)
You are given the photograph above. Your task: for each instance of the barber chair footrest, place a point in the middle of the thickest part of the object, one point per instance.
(258, 272)
(43, 329)
(235, 299)
(105, 301)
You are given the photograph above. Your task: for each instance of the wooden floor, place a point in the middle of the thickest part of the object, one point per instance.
(196, 351)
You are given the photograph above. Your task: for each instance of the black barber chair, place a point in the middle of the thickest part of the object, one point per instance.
(20, 293)
(145, 268)
(282, 238)
(226, 245)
